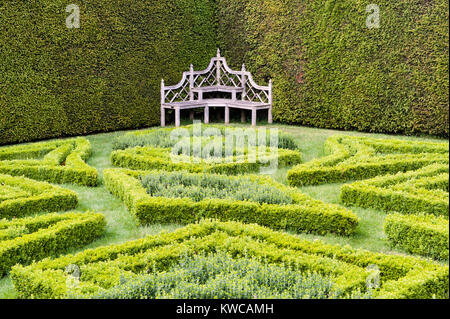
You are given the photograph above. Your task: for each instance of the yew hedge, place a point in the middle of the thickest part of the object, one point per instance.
(103, 76)
(330, 70)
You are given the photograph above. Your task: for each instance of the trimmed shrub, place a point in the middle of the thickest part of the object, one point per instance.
(103, 76)
(424, 235)
(20, 196)
(198, 188)
(209, 148)
(330, 70)
(61, 162)
(161, 137)
(102, 268)
(149, 158)
(25, 240)
(352, 158)
(421, 191)
(219, 276)
(303, 215)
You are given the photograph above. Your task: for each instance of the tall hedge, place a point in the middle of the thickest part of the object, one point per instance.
(331, 71)
(104, 76)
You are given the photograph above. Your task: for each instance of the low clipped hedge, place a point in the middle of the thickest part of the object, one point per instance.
(154, 149)
(354, 158)
(61, 162)
(303, 215)
(102, 268)
(424, 235)
(25, 240)
(150, 158)
(219, 276)
(421, 191)
(22, 196)
(162, 137)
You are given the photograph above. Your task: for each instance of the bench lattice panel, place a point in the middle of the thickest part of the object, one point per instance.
(218, 76)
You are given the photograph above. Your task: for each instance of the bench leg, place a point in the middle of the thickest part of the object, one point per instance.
(206, 115)
(253, 117)
(177, 117)
(227, 115)
(163, 117)
(270, 119)
(243, 118)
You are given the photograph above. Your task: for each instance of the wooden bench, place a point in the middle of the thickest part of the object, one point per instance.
(190, 93)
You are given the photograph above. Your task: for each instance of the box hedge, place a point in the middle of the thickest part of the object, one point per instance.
(352, 158)
(102, 268)
(45, 235)
(61, 162)
(20, 196)
(421, 191)
(303, 215)
(424, 235)
(149, 158)
(169, 137)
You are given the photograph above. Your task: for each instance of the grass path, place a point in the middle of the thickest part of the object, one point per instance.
(122, 227)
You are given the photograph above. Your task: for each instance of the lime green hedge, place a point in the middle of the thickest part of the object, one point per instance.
(421, 191)
(169, 137)
(103, 76)
(303, 215)
(20, 196)
(220, 276)
(25, 240)
(354, 158)
(329, 70)
(424, 235)
(102, 268)
(61, 162)
(168, 149)
(148, 158)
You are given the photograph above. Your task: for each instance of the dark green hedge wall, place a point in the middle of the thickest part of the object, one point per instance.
(104, 76)
(331, 71)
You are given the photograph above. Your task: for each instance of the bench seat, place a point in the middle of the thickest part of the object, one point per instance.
(189, 93)
(216, 103)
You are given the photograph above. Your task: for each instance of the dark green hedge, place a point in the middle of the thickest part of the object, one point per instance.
(331, 71)
(103, 76)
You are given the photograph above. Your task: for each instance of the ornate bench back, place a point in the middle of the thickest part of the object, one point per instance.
(218, 73)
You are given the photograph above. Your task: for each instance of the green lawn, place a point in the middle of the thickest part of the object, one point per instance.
(121, 226)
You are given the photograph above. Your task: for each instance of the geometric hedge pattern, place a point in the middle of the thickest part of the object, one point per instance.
(356, 158)
(421, 191)
(60, 162)
(25, 240)
(106, 267)
(20, 196)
